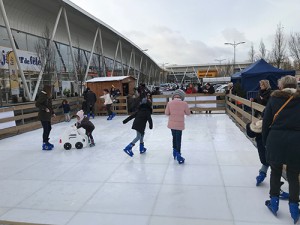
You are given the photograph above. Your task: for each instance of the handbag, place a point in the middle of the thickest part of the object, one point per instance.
(282, 107)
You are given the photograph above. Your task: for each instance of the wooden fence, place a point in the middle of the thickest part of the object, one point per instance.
(242, 110)
(197, 102)
(23, 117)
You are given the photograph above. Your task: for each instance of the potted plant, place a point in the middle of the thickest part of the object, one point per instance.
(66, 92)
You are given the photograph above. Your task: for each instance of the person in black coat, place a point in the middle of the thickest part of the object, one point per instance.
(281, 136)
(44, 104)
(142, 116)
(90, 98)
(86, 124)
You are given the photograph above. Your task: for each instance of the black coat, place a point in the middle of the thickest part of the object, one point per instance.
(44, 102)
(141, 117)
(263, 97)
(90, 97)
(282, 139)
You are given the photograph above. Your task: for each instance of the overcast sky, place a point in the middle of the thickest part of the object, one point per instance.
(194, 31)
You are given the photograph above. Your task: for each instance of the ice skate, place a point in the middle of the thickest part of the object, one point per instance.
(273, 205)
(260, 178)
(294, 210)
(47, 147)
(180, 159)
(142, 148)
(128, 149)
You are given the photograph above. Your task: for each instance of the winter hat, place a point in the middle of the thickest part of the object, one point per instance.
(179, 93)
(80, 114)
(256, 127)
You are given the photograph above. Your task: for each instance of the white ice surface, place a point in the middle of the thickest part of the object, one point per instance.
(104, 186)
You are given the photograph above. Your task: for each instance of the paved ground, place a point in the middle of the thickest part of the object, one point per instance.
(103, 186)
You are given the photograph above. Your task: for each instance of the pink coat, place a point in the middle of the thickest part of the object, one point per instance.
(176, 109)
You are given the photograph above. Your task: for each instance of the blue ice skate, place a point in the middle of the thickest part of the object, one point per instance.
(273, 205)
(180, 159)
(109, 117)
(128, 149)
(142, 148)
(113, 115)
(294, 210)
(284, 195)
(260, 178)
(174, 153)
(47, 146)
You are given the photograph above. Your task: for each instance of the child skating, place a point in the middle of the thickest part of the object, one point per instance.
(176, 110)
(86, 124)
(108, 103)
(142, 116)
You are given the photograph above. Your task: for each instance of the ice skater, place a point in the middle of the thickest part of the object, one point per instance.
(176, 110)
(85, 123)
(44, 103)
(142, 116)
(108, 103)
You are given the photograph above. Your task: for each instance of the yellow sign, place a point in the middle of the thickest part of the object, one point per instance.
(13, 73)
(204, 73)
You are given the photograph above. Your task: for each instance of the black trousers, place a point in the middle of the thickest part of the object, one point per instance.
(90, 136)
(293, 180)
(46, 130)
(108, 108)
(177, 134)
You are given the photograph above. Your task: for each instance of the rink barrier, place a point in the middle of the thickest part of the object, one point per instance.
(197, 102)
(242, 110)
(23, 117)
(120, 108)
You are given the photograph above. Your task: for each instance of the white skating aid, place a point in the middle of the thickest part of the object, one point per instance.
(73, 138)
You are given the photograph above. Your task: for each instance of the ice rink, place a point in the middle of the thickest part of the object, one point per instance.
(104, 186)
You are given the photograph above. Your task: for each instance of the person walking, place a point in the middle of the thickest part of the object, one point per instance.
(108, 103)
(141, 117)
(176, 110)
(44, 104)
(281, 135)
(66, 109)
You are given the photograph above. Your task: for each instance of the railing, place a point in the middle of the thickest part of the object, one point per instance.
(23, 117)
(197, 102)
(242, 110)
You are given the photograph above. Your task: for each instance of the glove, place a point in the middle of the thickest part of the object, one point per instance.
(150, 127)
(124, 122)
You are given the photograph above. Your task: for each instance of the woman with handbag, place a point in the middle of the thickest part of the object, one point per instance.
(281, 136)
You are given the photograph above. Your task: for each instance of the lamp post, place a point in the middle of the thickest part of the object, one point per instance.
(220, 62)
(234, 44)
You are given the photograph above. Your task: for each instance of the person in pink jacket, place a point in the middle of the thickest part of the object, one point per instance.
(176, 110)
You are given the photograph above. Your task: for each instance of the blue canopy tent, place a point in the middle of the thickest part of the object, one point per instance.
(260, 70)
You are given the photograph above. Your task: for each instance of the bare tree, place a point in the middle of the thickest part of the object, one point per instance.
(262, 50)
(46, 53)
(294, 47)
(251, 53)
(278, 53)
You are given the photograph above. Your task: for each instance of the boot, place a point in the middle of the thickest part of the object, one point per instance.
(109, 117)
(47, 146)
(284, 195)
(92, 144)
(88, 116)
(294, 210)
(273, 204)
(180, 159)
(260, 178)
(113, 115)
(142, 148)
(52, 146)
(128, 149)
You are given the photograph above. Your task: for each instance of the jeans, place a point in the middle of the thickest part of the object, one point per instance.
(139, 137)
(293, 180)
(177, 139)
(108, 108)
(46, 130)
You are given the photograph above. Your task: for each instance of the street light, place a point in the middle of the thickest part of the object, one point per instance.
(220, 62)
(234, 44)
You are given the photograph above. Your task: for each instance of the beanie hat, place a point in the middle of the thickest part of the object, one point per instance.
(256, 127)
(178, 93)
(80, 114)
